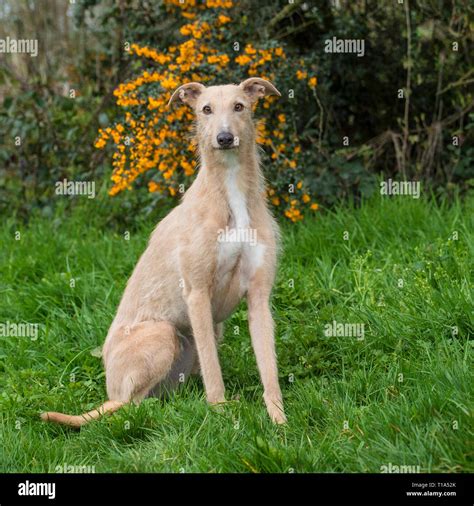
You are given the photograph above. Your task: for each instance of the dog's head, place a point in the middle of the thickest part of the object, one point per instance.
(224, 113)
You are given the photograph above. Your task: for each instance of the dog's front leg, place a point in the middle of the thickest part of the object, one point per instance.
(200, 315)
(262, 334)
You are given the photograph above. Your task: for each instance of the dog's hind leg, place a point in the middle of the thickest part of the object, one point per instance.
(136, 359)
(182, 368)
(140, 359)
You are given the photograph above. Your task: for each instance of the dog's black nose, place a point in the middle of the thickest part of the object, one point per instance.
(225, 139)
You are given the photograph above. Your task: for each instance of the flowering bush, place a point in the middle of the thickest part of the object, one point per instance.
(150, 138)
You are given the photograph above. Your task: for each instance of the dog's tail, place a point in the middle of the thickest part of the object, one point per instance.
(78, 421)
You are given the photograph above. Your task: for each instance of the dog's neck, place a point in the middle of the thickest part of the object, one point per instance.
(231, 177)
(226, 173)
(229, 184)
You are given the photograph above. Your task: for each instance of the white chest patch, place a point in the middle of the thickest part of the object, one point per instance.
(237, 201)
(239, 241)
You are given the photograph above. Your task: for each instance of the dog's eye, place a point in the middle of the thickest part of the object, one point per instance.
(238, 107)
(206, 109)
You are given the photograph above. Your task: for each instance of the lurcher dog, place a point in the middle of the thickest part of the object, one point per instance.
(198, 266)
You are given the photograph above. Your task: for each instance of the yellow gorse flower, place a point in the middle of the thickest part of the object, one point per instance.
(223, 19)
(300, 74)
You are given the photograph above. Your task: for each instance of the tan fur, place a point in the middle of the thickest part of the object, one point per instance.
(79, 420)
(187, 282)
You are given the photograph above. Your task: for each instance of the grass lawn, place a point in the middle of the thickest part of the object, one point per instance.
(402, 395)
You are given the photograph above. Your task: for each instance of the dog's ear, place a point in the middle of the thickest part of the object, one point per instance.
(187, 93)
(256, 88)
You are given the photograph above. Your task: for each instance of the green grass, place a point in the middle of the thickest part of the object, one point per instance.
(405, 390)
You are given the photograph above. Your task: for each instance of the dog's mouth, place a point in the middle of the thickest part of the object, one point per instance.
(225, 148)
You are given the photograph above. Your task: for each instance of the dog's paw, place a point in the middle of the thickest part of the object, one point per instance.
(275, 409)
(216, 398)
(278, 418)
(218, 406)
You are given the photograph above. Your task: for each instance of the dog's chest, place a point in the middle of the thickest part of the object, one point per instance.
(239, 252)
